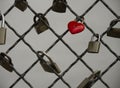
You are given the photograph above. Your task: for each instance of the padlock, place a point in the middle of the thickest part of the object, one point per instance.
(49, 66)
(21, 4)
(6, 62)
(2, 31)
(59, 6)
(114, 32)
(89, 81)
(94, 46)
(40, 24)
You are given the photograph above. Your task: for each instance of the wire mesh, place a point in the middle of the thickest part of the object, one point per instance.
(60, 38)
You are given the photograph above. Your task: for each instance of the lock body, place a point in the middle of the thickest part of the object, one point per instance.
(6, 63)
(93, 46)
(41, 24)
(84, 83)
(21, 4)
(59, 6)
(48, 69)
(114, 32)
(2, 35)
(41, 27)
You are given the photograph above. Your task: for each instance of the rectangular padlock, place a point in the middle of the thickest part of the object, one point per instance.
(2, 35)
(84, 83)
(94, 46)
(114, 32)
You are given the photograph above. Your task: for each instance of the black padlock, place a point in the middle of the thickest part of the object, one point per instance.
(6, 62)
(2, 30)
(114, 32)
(41, 24)
(89, 81)
(49, 66)
(59, 6)
(21, 4)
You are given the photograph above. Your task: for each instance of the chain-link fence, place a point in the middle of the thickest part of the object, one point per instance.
(52, 67)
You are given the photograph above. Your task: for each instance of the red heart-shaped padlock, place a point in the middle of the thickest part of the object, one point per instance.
(74, 27)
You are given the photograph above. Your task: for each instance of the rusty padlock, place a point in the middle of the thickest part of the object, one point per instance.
(6, 62)
(89, 81)
(114, 32)
(21, 4)
(40, 24)
(49, 66)
(2, 31)
(94, 46)
(59, 6)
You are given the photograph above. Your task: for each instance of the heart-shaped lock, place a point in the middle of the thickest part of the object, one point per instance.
(75, 27)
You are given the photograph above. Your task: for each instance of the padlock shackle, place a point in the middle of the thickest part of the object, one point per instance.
(49, 58)
(97, 35)
(3, 20)
(114, 22)
(94, 75)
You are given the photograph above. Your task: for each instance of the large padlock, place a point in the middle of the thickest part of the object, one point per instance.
(21, 4)
(114, 32)
(89, 81)
(49, 66)
(6, 62)
(59, 6)
(94, 46)
(2, 31)
(41, 24)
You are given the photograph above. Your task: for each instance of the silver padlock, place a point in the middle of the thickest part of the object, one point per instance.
(40, 26)
(6, 62)
(49, 66)
(94, 46)
(114, 32)
(89, 81)
(2, 31)
(21, 4)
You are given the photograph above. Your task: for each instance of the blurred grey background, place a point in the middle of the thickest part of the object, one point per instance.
(98, 19)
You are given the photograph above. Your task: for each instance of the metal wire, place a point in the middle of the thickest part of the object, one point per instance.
(59, 38)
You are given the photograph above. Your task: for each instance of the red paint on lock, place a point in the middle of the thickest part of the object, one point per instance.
(74, 27)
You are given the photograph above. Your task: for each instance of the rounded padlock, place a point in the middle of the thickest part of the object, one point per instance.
(21, 4)
(6, 62)
(2, 30)
(59, 6)
(94, 45)
(41, 23)
(49, 66)
(113, 32)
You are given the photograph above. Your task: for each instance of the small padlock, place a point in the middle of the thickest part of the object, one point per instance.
(59, 6)
(40, 24)
(2, 31)
(88, 82)
(94, 46)
(49, 66)
(114, 32)
(21, 4)
(6, 62)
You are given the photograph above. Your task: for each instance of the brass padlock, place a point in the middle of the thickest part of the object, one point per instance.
(49, 66)
(21, 4)
(59, 6)
(2, 31)
(94, 46)
(6, 62)
(41, 24)
(113, 32)
(89, 81)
